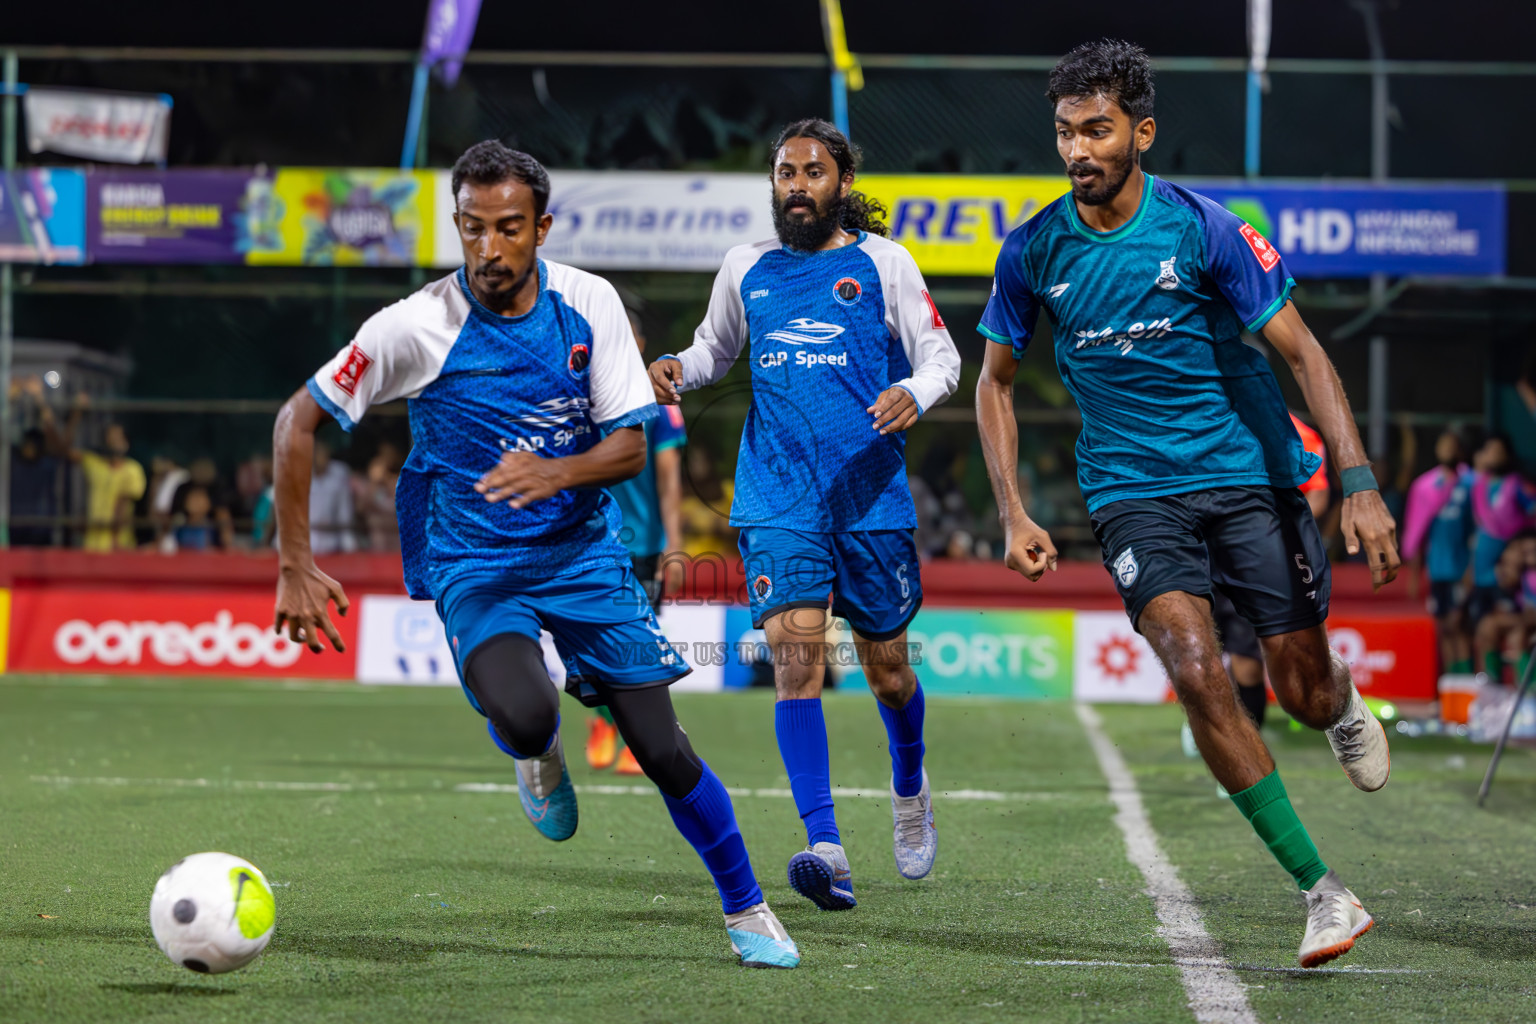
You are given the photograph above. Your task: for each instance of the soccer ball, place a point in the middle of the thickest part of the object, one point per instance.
(212, 912)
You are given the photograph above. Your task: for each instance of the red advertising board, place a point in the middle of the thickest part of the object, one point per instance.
(206, 632)
(1391, 657)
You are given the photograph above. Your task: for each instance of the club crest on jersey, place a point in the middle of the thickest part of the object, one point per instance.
(1166, 278)
(352, 369)
(1265, 253)
(847, 291)
(578, 360)
(762, 588)
(1126, 569)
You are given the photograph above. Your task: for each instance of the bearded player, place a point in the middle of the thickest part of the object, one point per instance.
(846, 350)
(527, 397)
(1188, 460)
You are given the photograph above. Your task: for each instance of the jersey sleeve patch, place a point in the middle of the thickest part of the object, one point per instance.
(1268, 258)
(938, 321)
(351, 371)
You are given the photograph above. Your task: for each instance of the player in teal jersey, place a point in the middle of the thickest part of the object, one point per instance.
(1187, 459)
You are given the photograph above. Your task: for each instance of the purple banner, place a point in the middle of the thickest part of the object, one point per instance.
(169, 217)
(450, 28)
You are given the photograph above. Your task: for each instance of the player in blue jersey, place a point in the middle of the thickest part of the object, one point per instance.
(846, 351)
(527, 397)
(1187, 459)
(650, 504)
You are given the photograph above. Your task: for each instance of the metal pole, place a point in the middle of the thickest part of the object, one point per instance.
(840, 101)
(1377, 430)
(413, 118)
(1509, 723)
(1251, 143)
(7, 324)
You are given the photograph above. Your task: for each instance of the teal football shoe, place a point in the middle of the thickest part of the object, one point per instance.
(758, 937)
(544, 788)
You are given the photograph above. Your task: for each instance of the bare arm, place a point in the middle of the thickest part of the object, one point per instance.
(303, 591)
(669, 494)
(522, 478)
(1029, 550)
(1366, 521)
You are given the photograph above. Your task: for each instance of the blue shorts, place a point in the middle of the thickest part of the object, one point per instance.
(872, 575)
(603, 625)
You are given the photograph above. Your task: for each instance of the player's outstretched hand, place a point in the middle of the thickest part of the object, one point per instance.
(894, 410)
(667, 381)
(522, 478)
(1030, 551)
(1367, 524)
(302, 596)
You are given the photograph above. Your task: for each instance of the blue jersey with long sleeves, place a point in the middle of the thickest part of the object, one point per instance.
(1447, 549)
(1147, 321)
(826, 333)
(549, 382)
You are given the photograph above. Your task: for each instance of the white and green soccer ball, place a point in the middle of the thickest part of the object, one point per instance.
(212, 912)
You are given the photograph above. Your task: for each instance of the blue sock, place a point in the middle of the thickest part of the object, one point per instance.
(707, 820)
(802, 732)
(506, 748)
(904, 728)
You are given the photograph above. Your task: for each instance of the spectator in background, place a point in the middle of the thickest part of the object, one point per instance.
(252, 478)
(204, 473)
(1504, 632)
(373, 492)
(113, 483)
(165, 479)
(706, 507)
(197, 529)
(34, 471)
(330, 505)
(1502, 506)
(1437, 531)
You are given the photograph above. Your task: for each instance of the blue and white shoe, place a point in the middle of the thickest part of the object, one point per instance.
(759, 938)
(916, 841)
(544, 789)
(821, 874)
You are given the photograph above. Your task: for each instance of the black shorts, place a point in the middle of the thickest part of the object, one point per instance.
(1237, 635)
(1258, 544)
(1484, 601)
(1445, 597)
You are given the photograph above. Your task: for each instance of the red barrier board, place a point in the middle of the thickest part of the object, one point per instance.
(1391, 657)
(198, 632)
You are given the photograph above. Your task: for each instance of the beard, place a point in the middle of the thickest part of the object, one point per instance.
(806, 233)
(1112, 180)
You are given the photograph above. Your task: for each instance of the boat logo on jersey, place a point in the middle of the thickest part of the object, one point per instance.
(805, 331)
(578, 360)
(1166, 278)
(762, 588)
(555, 412)
(1267, 256)
(1126, 569)
(847, 291)
(352, 369)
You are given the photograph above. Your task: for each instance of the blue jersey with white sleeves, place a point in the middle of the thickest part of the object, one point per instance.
(1147, 321)
(478, 384)
(827, 332)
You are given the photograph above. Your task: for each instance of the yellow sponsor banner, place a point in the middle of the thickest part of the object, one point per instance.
(5, 627)
(954, 224)
(341, 216)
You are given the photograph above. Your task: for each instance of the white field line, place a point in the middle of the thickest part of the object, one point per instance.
(1215, 994)
(1299, 971)
(115, 780)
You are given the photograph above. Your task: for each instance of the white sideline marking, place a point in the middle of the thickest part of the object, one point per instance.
(117, 780)
(1215, 994)
(1195, 961)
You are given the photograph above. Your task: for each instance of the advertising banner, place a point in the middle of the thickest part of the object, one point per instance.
(118, 127)
(1359, 230)
(344, 217)
(1113, 664)
(450, 27)
(171, 217)
(1389, 657)
(955, 224)
(42, 216)
(208, 633)
(621, 220)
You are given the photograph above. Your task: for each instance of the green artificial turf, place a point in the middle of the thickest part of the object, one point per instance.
(403, 898)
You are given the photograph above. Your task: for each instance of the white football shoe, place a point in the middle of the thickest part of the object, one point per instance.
(1335, 919)
(1359, 741)
(915, 840)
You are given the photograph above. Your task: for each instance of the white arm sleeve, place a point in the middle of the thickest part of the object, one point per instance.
(911, 316)
(396, 353)
(720, 338)
(619, 388)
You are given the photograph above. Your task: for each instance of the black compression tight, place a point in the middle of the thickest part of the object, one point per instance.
(507, 676)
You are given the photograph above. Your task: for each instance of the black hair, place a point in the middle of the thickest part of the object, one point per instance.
(491, 163)
(1111, 68)
(857, 211)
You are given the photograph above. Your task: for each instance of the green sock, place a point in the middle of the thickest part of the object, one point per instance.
(604, 713)
(1463, 667)
(1269, 811)
(1493, 664)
